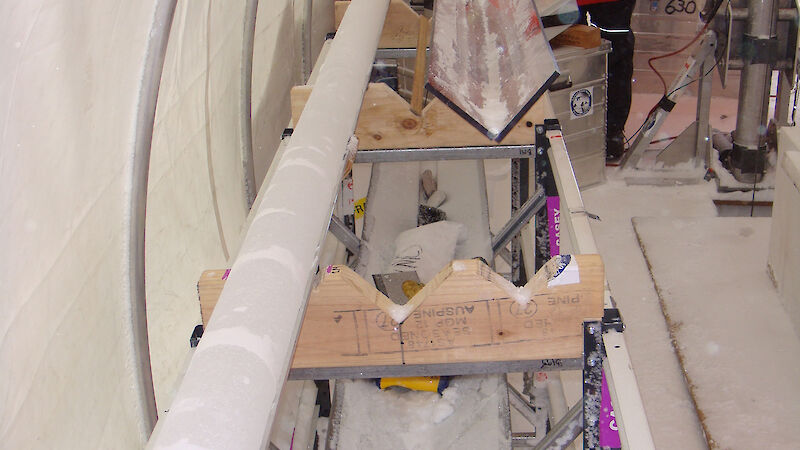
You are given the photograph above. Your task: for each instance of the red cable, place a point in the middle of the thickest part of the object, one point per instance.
(673, 53)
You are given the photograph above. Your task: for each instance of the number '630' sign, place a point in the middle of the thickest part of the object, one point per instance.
(680, 6)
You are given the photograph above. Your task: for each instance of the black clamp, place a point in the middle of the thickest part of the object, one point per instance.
(541, 129)
(760, 51)
(197, 333)
(748, 160)
(287, 132)
(612, 320)
(544, 174)
(666, 104)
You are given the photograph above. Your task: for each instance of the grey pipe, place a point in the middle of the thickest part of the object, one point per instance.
(145, 119)
(565, 431)
(245, 101)
(749, 136)
(784, 14)
(754, 88)
(229, 395)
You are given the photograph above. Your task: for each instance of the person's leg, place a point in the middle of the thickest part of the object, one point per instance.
(614, 19)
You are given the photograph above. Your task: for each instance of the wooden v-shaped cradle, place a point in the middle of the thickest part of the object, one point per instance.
(468, 319)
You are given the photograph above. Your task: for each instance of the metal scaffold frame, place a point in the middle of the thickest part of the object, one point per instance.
(271, 278)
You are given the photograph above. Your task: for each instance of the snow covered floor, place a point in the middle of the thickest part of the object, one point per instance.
(471, 414)
(736, 342)
(669, 409)
(739, 386)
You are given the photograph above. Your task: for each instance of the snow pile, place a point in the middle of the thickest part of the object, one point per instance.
(464, 416)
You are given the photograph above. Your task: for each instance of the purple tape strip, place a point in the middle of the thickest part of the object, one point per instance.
(554, 225)
(227, 272)
(609, 437)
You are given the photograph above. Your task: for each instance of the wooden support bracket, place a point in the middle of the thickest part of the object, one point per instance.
(400, 28)
(467, 315)
(579, 35)
(386, 121)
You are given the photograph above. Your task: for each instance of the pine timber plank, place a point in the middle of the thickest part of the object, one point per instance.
(209, 287)
(400, 29)
(466, 315)
(386, 121)
(420, 68)
(578, 35)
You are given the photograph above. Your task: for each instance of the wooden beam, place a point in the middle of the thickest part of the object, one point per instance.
(209, 288)
(400, 28)
(466, 315)
(420, 68)
(386, 121)
(579, 36)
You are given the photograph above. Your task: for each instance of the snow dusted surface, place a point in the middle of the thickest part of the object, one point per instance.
(467, 203)
(391, 209)
(736, 342)
(471, 414)
(671, 415)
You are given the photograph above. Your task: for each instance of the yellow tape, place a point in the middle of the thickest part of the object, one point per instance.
(359, 207)
(430, 384)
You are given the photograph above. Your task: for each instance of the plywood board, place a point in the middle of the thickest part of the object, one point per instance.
(386, 121)
(467, 315)
(490, 61)
(734, 339)
(400, 30)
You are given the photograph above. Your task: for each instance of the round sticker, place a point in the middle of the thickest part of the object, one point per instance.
(580, 103)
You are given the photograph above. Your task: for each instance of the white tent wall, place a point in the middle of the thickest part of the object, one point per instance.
(280, 59)
(196, 200)
(198, 195)
(77, 95)
(276, 40)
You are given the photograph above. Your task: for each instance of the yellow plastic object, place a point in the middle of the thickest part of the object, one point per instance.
(411, 287)
(430, 384)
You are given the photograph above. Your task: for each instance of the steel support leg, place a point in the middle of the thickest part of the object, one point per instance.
(593, 354)
(749, 139)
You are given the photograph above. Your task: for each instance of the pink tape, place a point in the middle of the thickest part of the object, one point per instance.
(554, 224)
(609, 436)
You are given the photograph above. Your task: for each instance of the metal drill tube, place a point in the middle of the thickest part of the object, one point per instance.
(753, 90)
(784, 14)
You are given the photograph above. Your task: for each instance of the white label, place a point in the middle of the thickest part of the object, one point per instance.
(581, 102)
(566, 274)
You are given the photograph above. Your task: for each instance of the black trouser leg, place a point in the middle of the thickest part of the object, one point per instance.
(616, 16)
